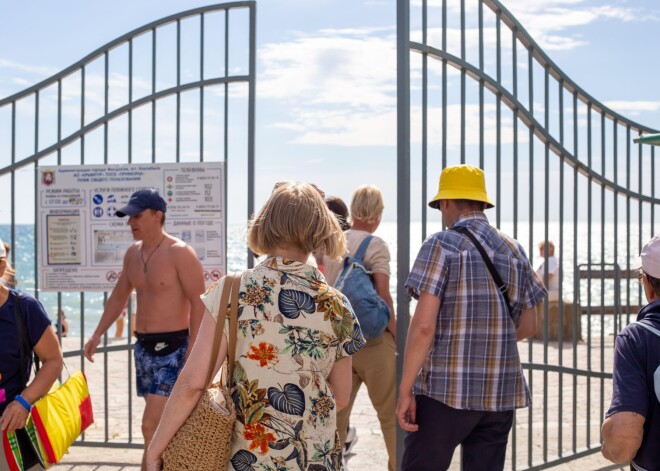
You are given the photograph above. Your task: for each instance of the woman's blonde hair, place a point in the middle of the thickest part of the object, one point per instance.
(367, 204)
(295, 216)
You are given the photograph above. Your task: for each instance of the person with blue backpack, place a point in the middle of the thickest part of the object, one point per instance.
(363, 276)
(631, 430)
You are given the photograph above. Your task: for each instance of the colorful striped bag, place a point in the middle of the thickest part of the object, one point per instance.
(56, 421)
(18, 451)
(60, 417)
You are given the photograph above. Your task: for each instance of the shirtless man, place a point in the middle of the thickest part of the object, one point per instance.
(168, 279)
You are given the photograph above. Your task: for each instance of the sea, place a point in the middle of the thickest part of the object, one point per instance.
(610, 243)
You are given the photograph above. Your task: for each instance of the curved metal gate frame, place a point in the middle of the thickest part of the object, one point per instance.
(220, 84)
(563, 135)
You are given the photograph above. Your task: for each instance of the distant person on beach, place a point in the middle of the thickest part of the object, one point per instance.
(374, 365)
(121, 320)
(9, 278)
(62, 323)
(553, 269)
(631, 430)
(462, 378)
(18, 342)
(168, 279)
(293, 347)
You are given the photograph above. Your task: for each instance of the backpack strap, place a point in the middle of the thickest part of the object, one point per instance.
(362, 249)
(489, 264)
(647, 326)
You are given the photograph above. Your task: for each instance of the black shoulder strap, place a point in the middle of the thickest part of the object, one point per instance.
(23, 339)
(491, 268)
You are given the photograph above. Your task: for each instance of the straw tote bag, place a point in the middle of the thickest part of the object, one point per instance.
(203, 443)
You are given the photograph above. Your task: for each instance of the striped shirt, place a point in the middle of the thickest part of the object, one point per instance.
(474, 362)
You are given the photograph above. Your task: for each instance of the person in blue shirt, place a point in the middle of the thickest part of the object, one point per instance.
(16, 395)
(631, 430)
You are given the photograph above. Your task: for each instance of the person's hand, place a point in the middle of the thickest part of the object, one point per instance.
(14, 417)
(90, 347)
(405, 411)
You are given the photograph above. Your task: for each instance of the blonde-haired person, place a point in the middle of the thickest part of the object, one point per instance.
(296, 334)
(375, 365)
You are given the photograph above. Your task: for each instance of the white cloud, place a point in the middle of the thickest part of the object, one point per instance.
(345, 129)
(32, 69)
(337, 128)
(330, 69)
(338, 86)
(549, 21)
(633, 108)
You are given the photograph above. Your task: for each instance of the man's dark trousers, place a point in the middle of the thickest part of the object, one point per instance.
(483, 436)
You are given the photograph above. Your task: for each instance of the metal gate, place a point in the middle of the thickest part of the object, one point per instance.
(562, 168)
(169, 91)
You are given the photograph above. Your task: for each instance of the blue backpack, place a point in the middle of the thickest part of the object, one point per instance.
(355, 283)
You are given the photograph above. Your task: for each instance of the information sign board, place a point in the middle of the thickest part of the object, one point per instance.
(83, 242)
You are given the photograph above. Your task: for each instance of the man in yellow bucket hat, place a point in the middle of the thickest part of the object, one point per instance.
(462, 377)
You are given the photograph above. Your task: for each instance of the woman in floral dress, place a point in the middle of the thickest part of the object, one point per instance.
(295, 338)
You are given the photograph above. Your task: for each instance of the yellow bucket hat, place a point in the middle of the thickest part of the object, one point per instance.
(462, 182)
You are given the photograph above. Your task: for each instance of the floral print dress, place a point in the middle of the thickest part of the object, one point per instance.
(292, 328)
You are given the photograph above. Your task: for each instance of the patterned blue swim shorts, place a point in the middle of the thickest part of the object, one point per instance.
(157, 374)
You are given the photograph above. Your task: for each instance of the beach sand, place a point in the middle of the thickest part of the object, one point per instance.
(115, 399)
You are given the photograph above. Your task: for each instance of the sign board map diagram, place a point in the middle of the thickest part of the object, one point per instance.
(82, 240)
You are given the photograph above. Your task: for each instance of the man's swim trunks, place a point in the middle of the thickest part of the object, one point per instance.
(159, 359)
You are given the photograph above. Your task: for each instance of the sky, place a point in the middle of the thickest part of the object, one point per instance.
(326, 71)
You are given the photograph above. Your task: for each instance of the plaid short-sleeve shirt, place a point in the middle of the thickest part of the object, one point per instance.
(474, 362)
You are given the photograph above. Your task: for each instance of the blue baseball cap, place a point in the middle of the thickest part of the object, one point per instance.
(141, 200)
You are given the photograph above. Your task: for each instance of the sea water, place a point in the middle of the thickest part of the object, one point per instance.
(624, 252)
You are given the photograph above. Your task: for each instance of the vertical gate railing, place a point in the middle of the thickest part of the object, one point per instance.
(169, 91)
(561, 167)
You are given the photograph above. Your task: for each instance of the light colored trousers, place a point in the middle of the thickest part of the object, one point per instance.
(375, 366)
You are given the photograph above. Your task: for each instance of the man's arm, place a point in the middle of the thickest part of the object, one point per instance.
(526, 324)
(191, 277)
(418, 346)
(382, 285)
(622, 436)
(113, 308)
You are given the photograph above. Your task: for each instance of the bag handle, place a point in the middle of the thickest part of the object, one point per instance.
(233, 328)
(489, 264)
(227, 287)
